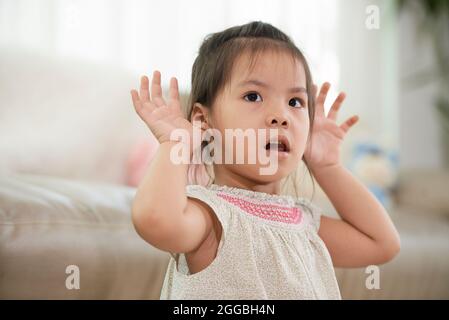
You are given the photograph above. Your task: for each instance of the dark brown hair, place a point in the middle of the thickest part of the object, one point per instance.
(212, 68)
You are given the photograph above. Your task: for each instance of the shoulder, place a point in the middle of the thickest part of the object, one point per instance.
(311, 211)
(200, 192)
(207, 196)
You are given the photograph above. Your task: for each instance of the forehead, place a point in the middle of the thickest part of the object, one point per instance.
(278, 68)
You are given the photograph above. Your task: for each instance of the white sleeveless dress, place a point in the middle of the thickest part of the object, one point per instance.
(269, 249)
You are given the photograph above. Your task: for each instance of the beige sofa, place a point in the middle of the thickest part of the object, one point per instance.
(48, 224)
(66, 129)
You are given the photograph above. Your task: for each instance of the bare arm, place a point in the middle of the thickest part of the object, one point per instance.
(366, 234)
(161, 212)
(163, 186)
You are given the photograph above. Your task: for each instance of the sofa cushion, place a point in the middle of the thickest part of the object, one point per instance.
(48, 224)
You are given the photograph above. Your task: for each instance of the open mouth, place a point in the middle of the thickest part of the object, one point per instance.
(280, 144)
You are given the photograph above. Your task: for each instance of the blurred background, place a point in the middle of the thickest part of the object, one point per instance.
(66, 69)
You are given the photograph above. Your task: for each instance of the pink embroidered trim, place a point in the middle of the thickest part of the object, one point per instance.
(274, 212)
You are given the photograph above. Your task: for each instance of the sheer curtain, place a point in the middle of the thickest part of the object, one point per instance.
(141, 36)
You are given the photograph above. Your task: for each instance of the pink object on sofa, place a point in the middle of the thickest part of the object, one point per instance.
(143, 152)
(139, 158)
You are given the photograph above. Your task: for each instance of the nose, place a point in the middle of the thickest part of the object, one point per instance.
(275, 120)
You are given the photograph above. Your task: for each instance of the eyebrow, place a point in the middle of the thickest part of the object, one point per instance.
(262, 84)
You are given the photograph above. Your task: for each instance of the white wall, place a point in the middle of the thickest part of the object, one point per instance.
(368, 73)
(373, 66)
(419, 130)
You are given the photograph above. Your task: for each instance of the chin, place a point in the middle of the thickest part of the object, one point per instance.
(253, 172)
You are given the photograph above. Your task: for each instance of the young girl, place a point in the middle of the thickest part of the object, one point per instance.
(237, 237)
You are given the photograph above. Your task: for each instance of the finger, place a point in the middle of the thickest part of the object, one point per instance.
(159, 102)
(174, 93)
(156, 89)
(322, 98)
(174, 90)
(140, 107)
(323, 92)
(333, 112)
(136, 100)
(144, 91)
(349, 123)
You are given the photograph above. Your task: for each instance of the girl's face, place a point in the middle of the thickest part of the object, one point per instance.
(272, 96)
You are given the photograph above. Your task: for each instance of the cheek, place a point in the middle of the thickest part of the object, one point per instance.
(301, 137)
(302, 128)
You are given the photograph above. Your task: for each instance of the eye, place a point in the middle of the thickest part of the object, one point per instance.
(252, 96)
(292, 102)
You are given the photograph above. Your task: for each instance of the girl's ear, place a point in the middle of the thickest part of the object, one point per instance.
(200, 114)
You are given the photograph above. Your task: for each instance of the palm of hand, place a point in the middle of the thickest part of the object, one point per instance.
(160, 116)
(327, 136)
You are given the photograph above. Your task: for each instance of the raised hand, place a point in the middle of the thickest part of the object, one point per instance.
(160, 117)
(324, 146)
